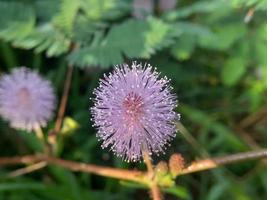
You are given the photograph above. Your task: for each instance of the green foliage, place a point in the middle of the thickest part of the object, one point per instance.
(197, 7)
(140, 39)
(257, 4)
(58, 27)
(233, 70)
(178, 191)
(223, 37)
(46, 38)
(14, 23)
(222, 133)
(102, 9)
(67, 13)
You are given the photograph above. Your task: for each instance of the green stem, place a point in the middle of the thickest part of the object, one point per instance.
(40, 135)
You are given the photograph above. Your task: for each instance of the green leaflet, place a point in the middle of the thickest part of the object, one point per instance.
(66, 16)
(198, 7)
(45, 38)
(103, 9)
(257, 4)
(14, 23)
(51, 26)
(233, 70)
(224, 36)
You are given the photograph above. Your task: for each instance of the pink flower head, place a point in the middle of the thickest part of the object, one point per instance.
(134, 111)
(27, 101)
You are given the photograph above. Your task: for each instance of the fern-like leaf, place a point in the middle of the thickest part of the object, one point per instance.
(67, 14)
(15, 23)
(45, 38)
(103, 9)
(133, 38)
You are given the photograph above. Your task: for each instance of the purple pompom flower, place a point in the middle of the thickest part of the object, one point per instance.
(27, 101)
(134, 111)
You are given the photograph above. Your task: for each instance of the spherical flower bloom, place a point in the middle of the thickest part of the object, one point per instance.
(134, 111)
(27, 101)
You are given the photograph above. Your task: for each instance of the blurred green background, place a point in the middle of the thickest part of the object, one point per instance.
(214, 51)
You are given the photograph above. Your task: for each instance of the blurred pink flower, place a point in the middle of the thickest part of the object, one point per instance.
(26, 99)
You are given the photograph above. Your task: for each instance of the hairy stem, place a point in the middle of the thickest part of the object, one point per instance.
(223, 160)
(122, 174)
(133, 175)
(155, 190)
(148, 162)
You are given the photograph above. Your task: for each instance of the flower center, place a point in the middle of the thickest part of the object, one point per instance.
(133, 104)
(24, 96)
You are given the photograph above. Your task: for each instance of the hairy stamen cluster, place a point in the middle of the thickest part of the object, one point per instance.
(134, 111)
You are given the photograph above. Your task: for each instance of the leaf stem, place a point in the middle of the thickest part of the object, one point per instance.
(40, 135)
(64, 99)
